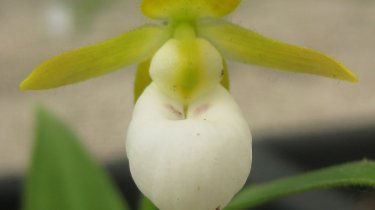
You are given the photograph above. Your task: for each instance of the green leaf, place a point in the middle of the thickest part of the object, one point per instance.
(62, 175)
(92, 61)
(249, 47)
(146, 204)
(351, 174)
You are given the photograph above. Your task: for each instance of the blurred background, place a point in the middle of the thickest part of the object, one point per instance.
(276, 104)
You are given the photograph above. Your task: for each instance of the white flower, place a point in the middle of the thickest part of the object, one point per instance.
(193, 163)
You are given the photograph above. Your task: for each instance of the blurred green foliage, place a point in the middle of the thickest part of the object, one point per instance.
(146, 204)
(62, 175)
(86, 10)
(360, 173)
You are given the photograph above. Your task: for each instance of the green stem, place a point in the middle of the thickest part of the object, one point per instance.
(184, 30)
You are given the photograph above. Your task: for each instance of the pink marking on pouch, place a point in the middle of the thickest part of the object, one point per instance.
(200, 110)
(174, 111)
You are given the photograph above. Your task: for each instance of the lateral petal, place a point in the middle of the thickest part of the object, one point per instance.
(249, 47)
(95, 60)
(142, 79)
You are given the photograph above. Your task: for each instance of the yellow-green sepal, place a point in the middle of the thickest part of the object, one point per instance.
(142, 79)
(182, 9)
(225, 82)
(249, 47)
(95, 60)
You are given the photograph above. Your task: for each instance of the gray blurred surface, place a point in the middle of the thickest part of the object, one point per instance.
(275, 103)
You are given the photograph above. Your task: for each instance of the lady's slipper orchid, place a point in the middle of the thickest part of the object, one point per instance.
(188, 144)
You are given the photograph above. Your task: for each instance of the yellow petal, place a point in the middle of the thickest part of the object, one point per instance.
(92, 61)
(142, 78)
(187, 8)
(246, 46)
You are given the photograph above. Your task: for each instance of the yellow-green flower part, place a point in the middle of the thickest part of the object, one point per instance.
(186, 69)
(205, 19)
(182, 9)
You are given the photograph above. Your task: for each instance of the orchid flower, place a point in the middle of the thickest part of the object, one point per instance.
(188, 144)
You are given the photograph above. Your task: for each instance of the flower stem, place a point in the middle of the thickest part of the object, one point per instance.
(184, 30)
